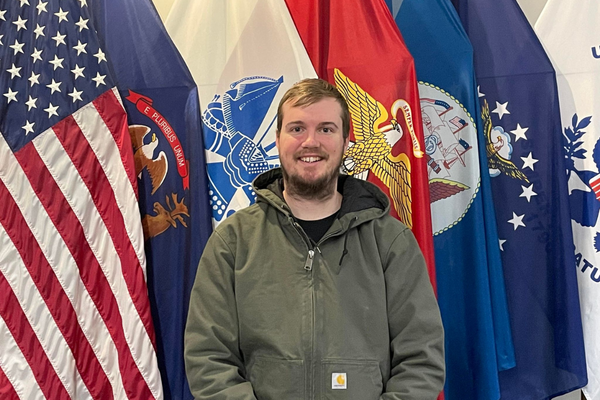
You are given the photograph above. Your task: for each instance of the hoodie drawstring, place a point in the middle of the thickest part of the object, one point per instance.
(352, 221)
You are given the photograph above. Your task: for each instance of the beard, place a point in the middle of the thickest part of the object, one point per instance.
(315, 189)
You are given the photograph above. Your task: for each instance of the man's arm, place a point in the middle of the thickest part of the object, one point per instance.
(416, 332)
(213, 361)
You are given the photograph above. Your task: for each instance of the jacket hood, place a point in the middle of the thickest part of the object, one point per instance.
(358, 196)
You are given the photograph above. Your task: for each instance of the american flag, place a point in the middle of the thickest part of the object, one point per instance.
(74, 313)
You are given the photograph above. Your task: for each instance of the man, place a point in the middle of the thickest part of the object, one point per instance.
(314, 292)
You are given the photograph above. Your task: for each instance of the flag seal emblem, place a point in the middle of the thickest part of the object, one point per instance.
(449, 133)
(144, 105)
(584, 191)
(374, 141)
(173, 212)
(239, 141)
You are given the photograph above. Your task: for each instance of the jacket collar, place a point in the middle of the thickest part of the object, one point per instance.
(361, 199)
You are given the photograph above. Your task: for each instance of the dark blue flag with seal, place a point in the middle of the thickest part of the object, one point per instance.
(161, 100)
(469, 272)
(521, 122)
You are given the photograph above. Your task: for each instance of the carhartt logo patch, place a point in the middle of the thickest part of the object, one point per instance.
(339, 381)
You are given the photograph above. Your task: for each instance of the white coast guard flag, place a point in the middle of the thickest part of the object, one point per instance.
(243, 57)
(570, 34)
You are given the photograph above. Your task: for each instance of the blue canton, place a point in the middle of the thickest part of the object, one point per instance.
(51, 64)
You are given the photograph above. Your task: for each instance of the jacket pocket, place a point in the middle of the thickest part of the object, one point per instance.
(277, 379)
(351, 380)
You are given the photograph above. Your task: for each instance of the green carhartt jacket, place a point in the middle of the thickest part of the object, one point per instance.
(274, 316)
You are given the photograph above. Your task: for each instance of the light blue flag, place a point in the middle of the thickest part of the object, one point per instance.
(468, 266)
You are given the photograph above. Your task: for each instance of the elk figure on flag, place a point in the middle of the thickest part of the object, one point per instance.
(163, 110)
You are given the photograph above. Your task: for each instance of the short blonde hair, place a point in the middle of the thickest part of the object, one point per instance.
(310, 91)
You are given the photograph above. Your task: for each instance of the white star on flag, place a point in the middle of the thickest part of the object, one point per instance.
(17, 47)
(10, 95)
(60, 39)
(34, 78)
(2, 12)
(62, 15)
(41, 7)
(36, 55)
(57, 62)
(51, 110)
(23, 2)
(78, 72)
(39, 31)
(76, 95)
(519, 133)
(501, 109)
(528, 161)
(479, 94)
(501, 244)
(54, 86)
(80, 47)
(99, 79)
(20, 23)
(82, 24)
(31, 103)
(528, 192)
(28, 127)
(14, 71)
(100, 56)
(516, 221)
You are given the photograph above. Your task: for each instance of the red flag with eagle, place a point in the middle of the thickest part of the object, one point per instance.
(361, 51)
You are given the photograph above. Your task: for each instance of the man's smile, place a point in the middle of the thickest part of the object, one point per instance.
(310, 159)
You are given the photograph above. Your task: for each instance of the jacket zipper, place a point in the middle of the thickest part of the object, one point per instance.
(308, 265)
(309, 260)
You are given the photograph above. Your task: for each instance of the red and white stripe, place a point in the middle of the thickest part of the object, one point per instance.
(74, 313)
(595, 185)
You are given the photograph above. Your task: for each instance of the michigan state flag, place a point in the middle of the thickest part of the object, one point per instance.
(524, 146)
(359, 49)
(469, 272)
(161, 101)
(243, 56)
(570, 35)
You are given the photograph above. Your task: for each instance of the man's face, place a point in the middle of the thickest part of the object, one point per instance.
(311, 146)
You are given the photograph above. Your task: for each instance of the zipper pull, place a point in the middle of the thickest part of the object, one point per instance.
(309, 260)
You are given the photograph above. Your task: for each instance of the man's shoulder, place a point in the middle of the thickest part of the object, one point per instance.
(242, 220)
(389, 226)
(390, 233)
(242, 216)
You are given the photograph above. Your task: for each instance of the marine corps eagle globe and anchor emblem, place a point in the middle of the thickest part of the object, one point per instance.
(372, 150)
